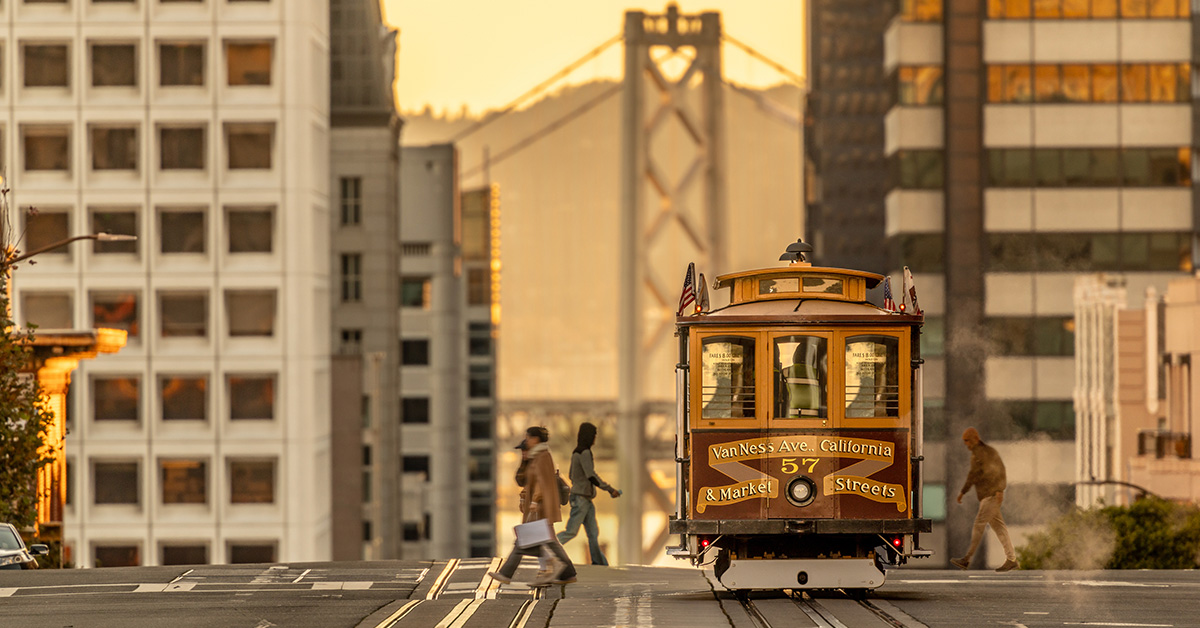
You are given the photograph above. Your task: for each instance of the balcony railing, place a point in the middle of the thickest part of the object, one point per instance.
(1162, 444)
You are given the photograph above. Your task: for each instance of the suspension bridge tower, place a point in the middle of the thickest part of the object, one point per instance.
(672, 212)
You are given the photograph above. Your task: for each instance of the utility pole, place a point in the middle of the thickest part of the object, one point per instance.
(665, 220)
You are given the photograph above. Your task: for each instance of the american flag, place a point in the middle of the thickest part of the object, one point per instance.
(689, 290)
(889, 302)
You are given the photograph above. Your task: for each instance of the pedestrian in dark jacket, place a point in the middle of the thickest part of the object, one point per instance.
(988, 477)
(584, 481)
(539, 500)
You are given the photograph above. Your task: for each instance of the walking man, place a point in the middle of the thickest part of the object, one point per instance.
(988, 477)
(539, 500)
(584, 481)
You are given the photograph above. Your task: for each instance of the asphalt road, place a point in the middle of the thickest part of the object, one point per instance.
(457, 594)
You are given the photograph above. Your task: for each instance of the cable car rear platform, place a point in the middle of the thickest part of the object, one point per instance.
(799, 526)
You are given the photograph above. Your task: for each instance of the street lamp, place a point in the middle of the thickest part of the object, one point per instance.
(99, 237)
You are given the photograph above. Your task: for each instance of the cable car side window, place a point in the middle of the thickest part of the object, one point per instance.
(727, 377)
(872, 376)
(801, 377)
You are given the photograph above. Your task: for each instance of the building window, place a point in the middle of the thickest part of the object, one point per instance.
(116, 310)
(920, 85)
(114, 65)
(114, 148)
(184, 555)
(1037, 336)
(480, 381)
(921, 252)
(412, 531)
(240, 553)
(1093, 252)
(921, 10)
(182, 148)
(351, 200)
(351, 341)
(249, 63)
(250, 312)
(480, 420)
(415, 249)
(115, 398)
(249, 146)
(181, 231)
(46, 227)
(117, 556)
(1094, 83)
(116, 222)
(351, 278)
(479, 467)
(415, 292)
(919, 169)
(414, 409)
(115, 483)
(414, 352)
(183, 314)
(251, 397)
(184, 481)
(252, 481)
(251, 230)
(47, 147)
(416, 464)
(181, 64)
(184, 398)
(479, 339)
(48, 310)
(479, 286)
(1083, 9)
(47, 65)
(1089, 167)
(366, 486)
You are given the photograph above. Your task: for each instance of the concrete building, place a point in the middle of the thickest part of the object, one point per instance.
(364, 177)
(449, 276)
(202, 128)
(1030, 142)
(1137, 423)
(843, 133)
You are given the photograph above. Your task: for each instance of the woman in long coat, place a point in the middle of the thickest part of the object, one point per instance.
(539, 500)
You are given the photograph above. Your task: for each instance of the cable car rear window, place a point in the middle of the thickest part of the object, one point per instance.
(813, 284)
(727, 377)
(872, 376)
(801, 377)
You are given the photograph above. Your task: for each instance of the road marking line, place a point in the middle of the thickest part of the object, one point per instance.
(523, 615)
(182, 586)
(442, 578)
(182, 576)
(356, 585)
(326, 586)
(7, 591)
(1037, 612)
(466, 614)
(1113, 623)
(301, 576)
(150, 588)
(453, 614)
(904, 618)
(488, 590)
(399, 614)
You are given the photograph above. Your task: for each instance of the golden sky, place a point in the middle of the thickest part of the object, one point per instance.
(482, 54)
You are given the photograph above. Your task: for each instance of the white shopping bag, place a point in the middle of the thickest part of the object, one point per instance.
(533, 533)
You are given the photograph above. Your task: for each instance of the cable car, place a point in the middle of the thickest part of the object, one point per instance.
(799, 430)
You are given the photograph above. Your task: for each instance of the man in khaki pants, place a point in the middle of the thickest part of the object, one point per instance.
(988, 477)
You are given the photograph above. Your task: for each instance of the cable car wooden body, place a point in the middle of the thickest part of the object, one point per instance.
(799, 442)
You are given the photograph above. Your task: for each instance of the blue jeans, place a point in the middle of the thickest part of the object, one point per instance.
(584, 511)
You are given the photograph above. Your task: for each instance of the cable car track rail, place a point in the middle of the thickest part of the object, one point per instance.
(817, 614)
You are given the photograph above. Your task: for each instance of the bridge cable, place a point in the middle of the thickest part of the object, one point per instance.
(778, 67)
(537, 89)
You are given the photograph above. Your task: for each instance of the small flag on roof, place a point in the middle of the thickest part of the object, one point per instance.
(688, 297)
(889, 302)
(910, 291)
(702, 297)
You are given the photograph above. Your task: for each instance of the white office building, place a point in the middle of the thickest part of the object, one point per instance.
(201, 127)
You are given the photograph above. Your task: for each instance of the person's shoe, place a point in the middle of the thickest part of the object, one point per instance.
(499, 577)
(961, 563)
(564, 580)
(553, 566)
(1008, 565)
